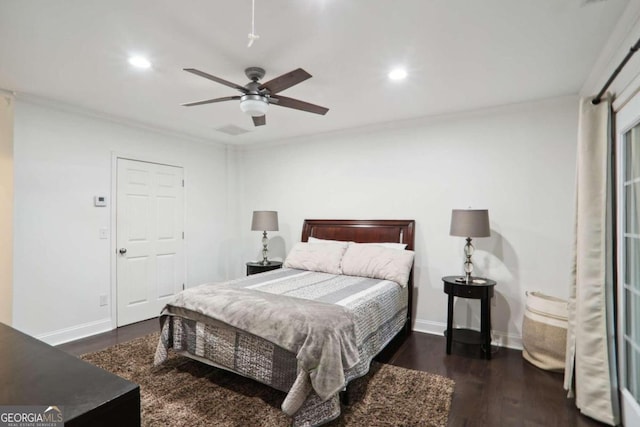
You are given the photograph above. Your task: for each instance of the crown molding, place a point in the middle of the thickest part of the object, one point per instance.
(74, 109)
(401, 124)
(9, 93)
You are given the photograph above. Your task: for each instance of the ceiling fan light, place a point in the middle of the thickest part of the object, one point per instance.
(398, 74)
(139, 62)
(254, 107)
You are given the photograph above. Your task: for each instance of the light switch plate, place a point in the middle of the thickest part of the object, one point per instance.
(104, 233)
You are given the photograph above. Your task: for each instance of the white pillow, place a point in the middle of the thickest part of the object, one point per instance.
(324, 257)
(386, 245)
(378, 262)
(316, 240)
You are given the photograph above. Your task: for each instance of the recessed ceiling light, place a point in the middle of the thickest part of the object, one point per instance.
(398, 74)
(139, 62)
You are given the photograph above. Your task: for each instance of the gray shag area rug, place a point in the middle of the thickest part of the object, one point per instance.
(184, 392)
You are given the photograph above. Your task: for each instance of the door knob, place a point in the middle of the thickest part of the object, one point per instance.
(123, 251)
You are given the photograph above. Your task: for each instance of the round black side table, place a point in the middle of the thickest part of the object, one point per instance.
(258, 267)
(482, 289)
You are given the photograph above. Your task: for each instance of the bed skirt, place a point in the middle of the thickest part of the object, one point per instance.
(235, 350)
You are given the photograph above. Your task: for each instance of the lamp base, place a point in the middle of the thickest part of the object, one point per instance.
(265, 251)
(468, 265)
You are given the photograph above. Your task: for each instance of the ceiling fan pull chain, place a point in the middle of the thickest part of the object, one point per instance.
(252, 35)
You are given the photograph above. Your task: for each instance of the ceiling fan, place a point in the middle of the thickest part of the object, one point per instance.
(256, 96)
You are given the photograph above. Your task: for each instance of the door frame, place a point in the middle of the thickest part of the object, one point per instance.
(113, 247)
(626, 118)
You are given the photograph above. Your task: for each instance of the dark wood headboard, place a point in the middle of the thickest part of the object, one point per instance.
(366, 231)
(361, 231)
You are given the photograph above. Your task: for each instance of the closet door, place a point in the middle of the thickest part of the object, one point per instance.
(150, 245)
(628, 167)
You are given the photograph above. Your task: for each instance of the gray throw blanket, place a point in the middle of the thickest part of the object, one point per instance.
(321, 335)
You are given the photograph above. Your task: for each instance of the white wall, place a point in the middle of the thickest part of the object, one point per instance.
(518, 161)
(62, 160)
(6, 207)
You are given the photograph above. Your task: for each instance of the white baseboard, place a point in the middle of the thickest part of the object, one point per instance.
(429, 327)
(62, 336)
(504, 339)
(500, 339)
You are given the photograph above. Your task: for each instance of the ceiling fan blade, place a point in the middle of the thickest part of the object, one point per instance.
(296, 104)
(259, 120)
(285, 81)
(211, 101)
(215, 79)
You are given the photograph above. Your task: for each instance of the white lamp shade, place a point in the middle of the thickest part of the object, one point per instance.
(254, 107)
(264, 221)
(470, 223)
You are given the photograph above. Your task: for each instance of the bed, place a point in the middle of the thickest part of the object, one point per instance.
(305, 329)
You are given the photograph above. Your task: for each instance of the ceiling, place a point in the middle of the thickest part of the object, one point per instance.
(460, 55)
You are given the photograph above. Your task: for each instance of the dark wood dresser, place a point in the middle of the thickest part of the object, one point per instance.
(35, 373)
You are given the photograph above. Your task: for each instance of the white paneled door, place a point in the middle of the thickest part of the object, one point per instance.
(628, 165)
(150, 238)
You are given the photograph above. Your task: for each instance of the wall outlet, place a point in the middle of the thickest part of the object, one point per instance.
(104, 300)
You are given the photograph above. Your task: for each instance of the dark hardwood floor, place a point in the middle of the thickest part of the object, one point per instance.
(503, 391)
(111, 338)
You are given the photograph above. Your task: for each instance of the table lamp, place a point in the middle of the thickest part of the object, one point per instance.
(264, 221)
(469, 223)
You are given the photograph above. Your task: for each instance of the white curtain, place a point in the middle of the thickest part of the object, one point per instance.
(590, 364)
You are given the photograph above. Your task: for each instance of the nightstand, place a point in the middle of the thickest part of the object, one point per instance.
(258, 267)
(481, 289)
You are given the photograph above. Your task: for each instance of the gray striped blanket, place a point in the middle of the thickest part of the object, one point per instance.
(334, 334)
